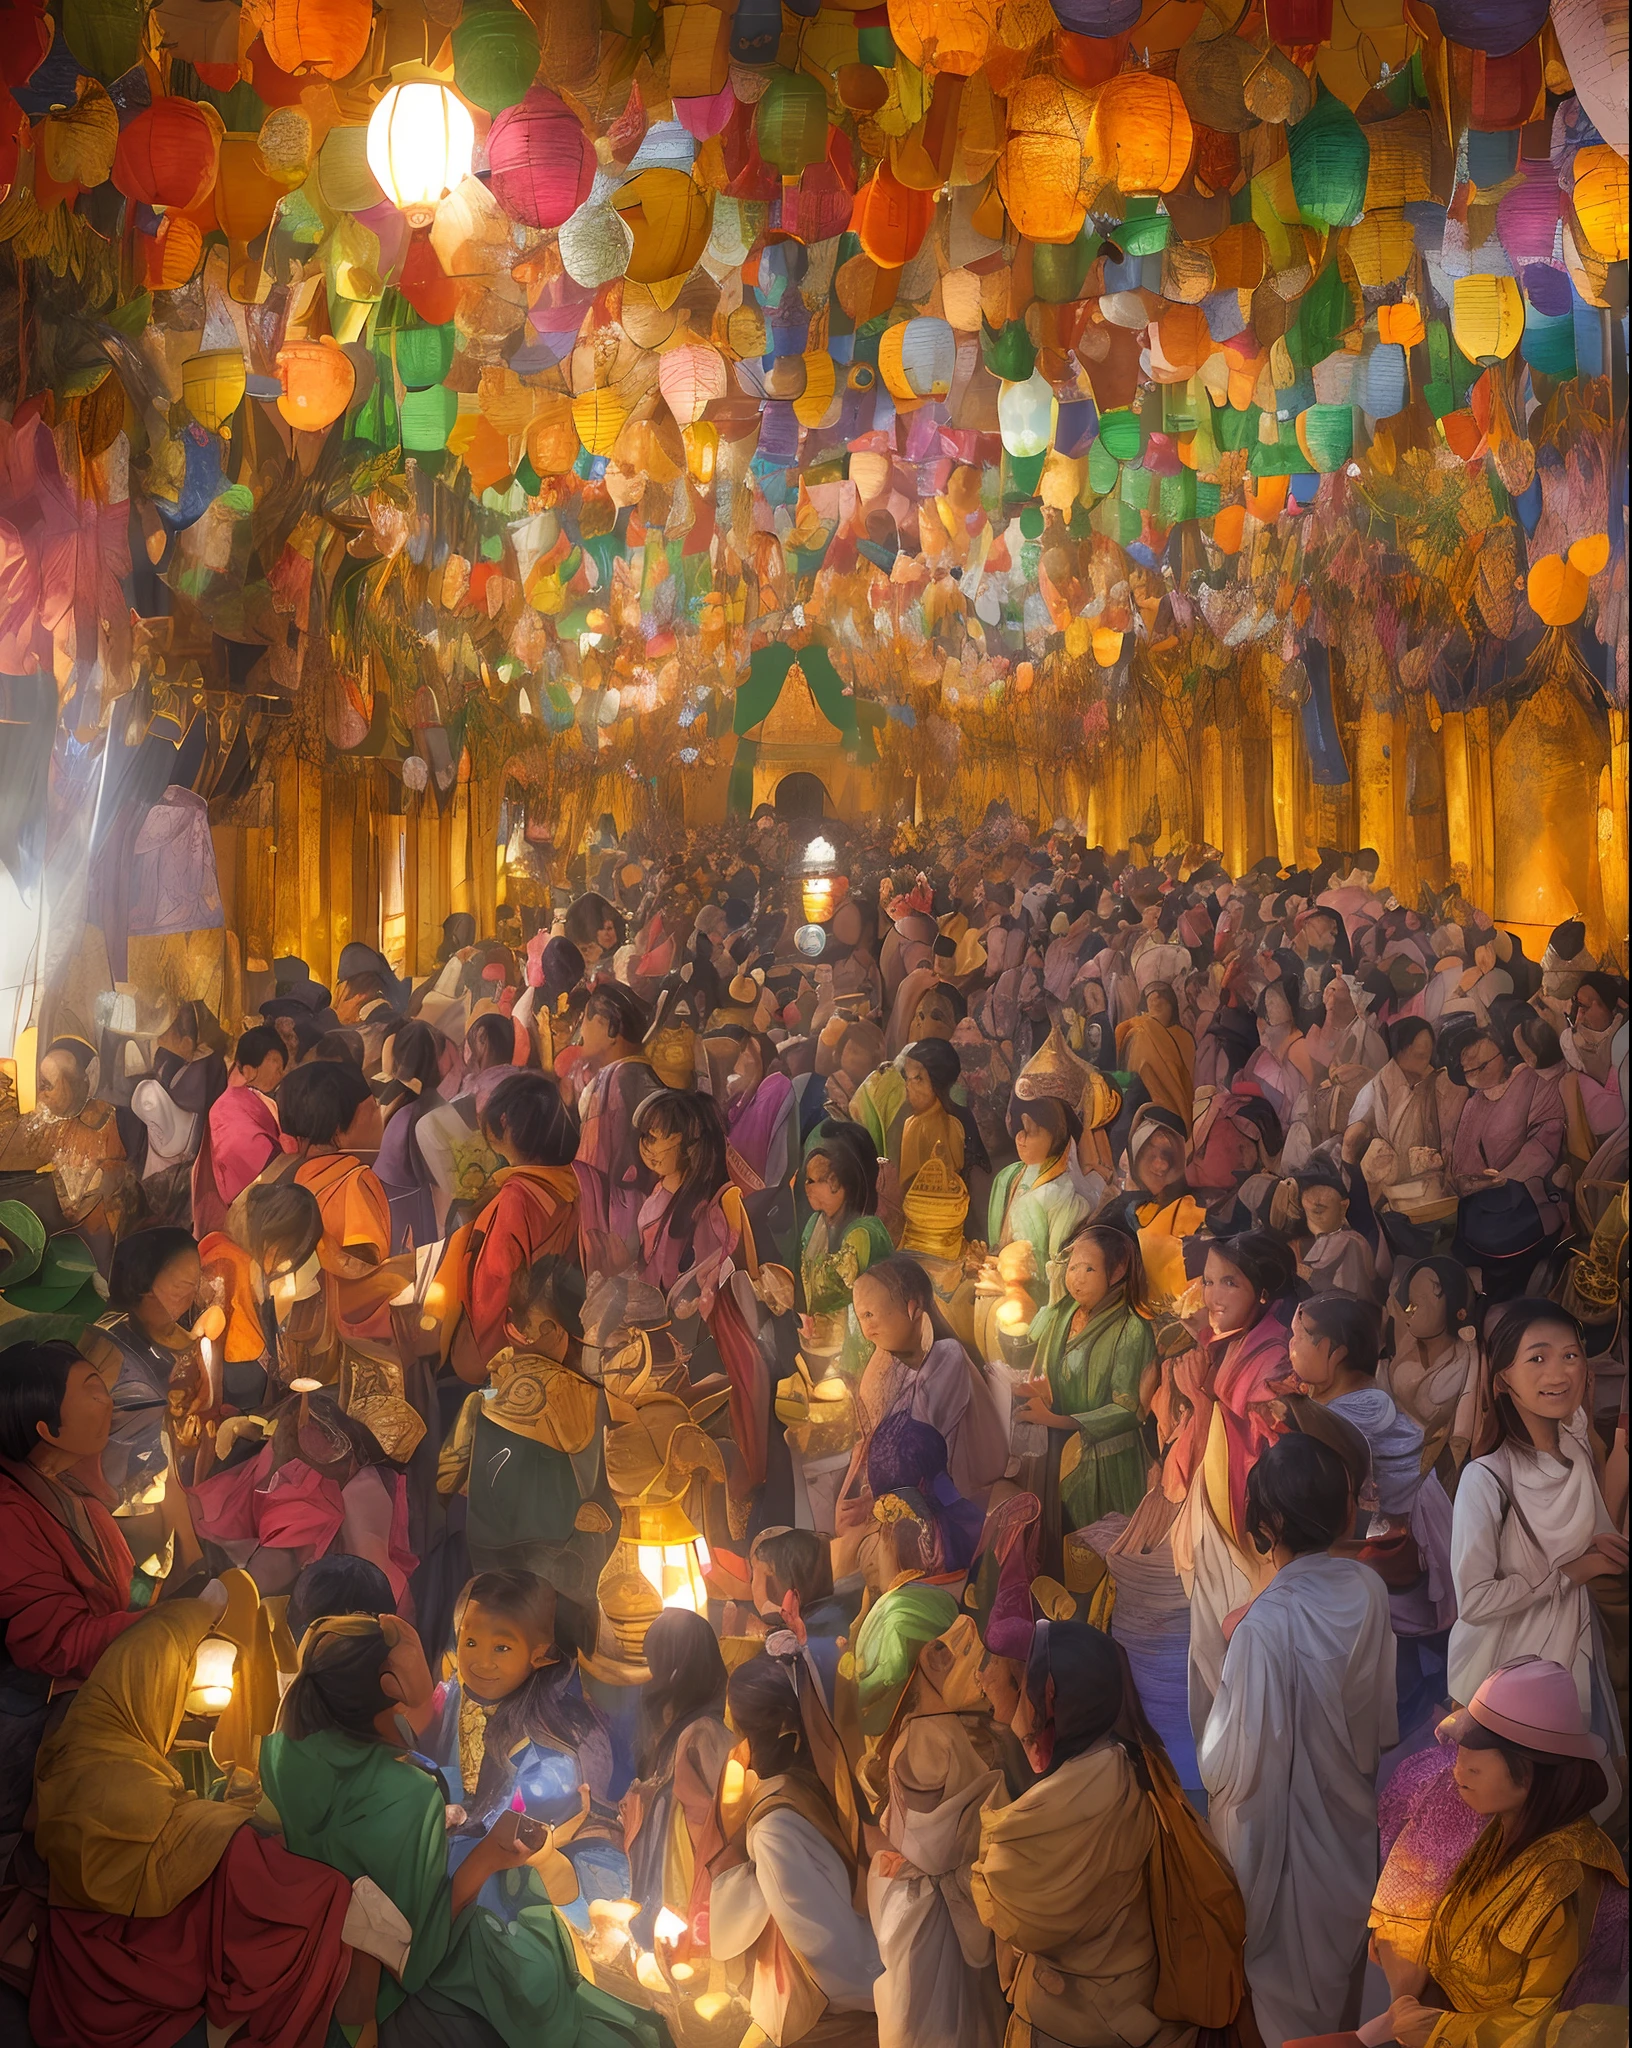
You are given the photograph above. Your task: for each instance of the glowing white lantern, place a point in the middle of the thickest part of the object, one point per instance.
(211, 1689)
(420, 144)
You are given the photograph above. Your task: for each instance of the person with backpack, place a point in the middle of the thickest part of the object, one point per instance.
(1115, 1918)
(1289, 1756)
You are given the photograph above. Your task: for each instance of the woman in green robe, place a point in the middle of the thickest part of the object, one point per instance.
(842, 1238)
(1036, 1198)
(1093, 1348)
(348, 1796)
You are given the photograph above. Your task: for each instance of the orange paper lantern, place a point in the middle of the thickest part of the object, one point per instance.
(318, 380)
(891, 219)
(1142, 133)
(325, 36)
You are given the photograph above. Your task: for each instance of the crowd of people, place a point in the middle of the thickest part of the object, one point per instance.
(831, 1438)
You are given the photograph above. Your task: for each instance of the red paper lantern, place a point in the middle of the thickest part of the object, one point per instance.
(542, 163)
(426, 285)
(168, 155)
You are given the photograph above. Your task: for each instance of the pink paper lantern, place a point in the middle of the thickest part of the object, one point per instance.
(541, 163)
(1527, 216)
(708, 115)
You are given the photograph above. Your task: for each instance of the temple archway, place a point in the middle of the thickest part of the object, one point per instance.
(801, 796)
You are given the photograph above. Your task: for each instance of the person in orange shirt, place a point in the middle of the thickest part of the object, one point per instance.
(330, 1112)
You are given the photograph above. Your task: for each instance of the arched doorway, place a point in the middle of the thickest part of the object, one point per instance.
(801, 796)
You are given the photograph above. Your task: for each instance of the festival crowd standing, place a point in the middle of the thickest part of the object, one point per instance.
(1045, 1464)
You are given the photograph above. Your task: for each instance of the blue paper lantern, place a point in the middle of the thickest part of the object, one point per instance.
(1388, 384)
(1496, 27)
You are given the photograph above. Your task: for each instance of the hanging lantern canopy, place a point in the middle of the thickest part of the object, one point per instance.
(420, 143)
(495, 54)
(540, 161)
(668, 215)
(328, 37)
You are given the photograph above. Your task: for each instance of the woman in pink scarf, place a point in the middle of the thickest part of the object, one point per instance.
(242, 1136)
(1216, 1408)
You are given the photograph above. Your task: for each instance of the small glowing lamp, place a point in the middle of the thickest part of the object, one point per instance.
(669, 1926)
(676, 1571)
(211, 1689)
(421, 141)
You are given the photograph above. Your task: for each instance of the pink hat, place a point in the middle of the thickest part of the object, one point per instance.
(1532, 1702)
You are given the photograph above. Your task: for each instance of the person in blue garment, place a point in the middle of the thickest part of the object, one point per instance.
(515, 1730)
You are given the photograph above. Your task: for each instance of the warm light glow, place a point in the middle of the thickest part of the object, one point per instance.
(420, 143)
(649, 1972)
(211, 1689)
(675, 1571)
(816, 894)
(820, 853)
(669, 1926)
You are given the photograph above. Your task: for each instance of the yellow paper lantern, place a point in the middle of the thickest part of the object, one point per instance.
(212, 386)
(1487, 317)
(599, 416)
(702, 445)
(821, 385)
(916, 359)
(668, 215)
(1381, 247)
(1107, 645)
(1142, 133)
(1601, 200)
(1557, 591)
(1040, 169)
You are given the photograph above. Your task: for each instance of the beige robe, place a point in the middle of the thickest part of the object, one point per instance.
(1061, 1881)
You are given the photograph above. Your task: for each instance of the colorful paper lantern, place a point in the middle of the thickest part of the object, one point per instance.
(318, 379)
(790, 122)
(1326, 436)
(1025, 416)
(328, 37)
(495, 54)
(1142, 132)
(1557, 591)
(599, 417)
(420, 142)
(917, 359)
(105, 35)
(690, 378)
(541, 163)
(172, 256)
(422, 355)
(427, 419)
(1494, 27)
(169, 153)
(944, 35)
(212, 386)
(668, 215)
(1330, 159)
(1600, 198)
(1487, 317)
(891, 219)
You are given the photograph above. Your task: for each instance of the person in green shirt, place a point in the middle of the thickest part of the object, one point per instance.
(1093, 1348)
(841, 1240)
(348, 1795)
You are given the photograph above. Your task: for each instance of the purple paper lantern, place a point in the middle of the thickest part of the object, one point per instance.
(1096, 17)
(1496, 27)
(541, 163)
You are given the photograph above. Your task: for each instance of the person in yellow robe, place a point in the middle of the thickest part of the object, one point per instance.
(1155, 1047)
(1517, 1917)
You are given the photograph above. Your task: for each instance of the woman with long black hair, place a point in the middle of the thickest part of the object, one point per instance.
(684, 1743)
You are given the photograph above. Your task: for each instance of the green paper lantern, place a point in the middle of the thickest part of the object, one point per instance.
(790, 122)
(1022, 474)
(424, 355)
(1548, 343)
(495, 55)
(1176, 498)
(1325, 313)
(1327, 436)
(1144, 232)
(1103, 468)
(1060, 269)
(1008, 351)
(1232, 429)
(875, 45)
(1119, 433)
(427, 419)
(1280, 457)
(1136, 487)
(1331, 159)
(104, 35)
